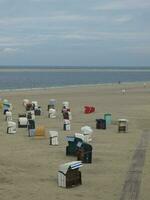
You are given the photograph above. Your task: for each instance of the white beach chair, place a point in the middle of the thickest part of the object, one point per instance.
(87, 132)
(52, 113)
(53, 135)
(8, 116)
(11, 127)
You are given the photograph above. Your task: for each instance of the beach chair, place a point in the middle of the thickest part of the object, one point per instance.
(22, 121)
(69, 175)
(52, 113)
(67, 125)
(84, 152)
(65, 104)
(87, 132)
(40, 132)
(72, 145)
(34, 105)
(52, 104)
(8, 116)
(122, 125)
(53, 136)
(25, 102)
(79, 135)
(38, 111)
(11, 127)
(100, 124)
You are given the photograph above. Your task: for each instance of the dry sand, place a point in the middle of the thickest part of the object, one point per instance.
(29, 166)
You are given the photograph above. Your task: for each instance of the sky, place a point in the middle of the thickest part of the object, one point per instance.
(75, 32)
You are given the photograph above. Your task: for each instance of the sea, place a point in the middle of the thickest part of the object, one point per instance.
(16, 78)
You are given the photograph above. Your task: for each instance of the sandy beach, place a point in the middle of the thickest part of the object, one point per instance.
(29, 166)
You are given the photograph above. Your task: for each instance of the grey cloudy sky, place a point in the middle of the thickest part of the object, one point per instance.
(75, 32)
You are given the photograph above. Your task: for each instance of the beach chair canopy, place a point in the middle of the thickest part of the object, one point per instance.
(79, 135)
(53, 133)
(22, 115)
(11, 124)
(86, 130)
(65, 104)
(70, 165)
(122, 120)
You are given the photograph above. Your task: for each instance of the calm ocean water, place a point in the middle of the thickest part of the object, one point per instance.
(42, 79)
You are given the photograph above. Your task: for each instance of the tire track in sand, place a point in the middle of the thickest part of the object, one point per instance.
(132, 183)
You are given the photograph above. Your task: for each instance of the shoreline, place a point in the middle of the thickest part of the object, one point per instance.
(74, 86)
(71, 70)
